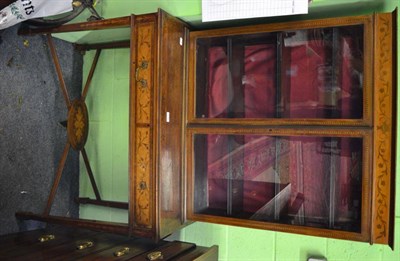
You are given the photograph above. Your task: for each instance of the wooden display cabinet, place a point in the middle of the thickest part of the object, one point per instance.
(291, 127)
(284, 126)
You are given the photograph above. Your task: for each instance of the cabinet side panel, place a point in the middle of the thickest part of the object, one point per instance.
(383, 129)
(171, 80)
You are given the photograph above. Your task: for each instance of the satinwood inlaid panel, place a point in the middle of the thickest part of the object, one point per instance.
(143, 158)
(78, 124)
(142, 180)
(143, 75)
(383, 128)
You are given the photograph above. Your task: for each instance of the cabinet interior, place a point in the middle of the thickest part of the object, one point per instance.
(309, 74)
(300, 180)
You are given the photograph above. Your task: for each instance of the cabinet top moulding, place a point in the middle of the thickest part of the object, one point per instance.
(113, 23)
(110, 23)
(273, 27)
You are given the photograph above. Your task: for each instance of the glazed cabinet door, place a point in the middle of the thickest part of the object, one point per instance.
(290, 127)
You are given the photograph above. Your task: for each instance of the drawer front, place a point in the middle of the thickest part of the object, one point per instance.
(142, 129)
(43, 245)
(142, 177)
(167, 251)
(63, 243)
(144, 72)
(124, 251)
(199, 254)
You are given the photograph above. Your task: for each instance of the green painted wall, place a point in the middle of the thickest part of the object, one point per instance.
(108, 139)
(107, 145)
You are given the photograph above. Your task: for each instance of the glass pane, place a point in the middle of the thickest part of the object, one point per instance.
(306, 181)
(313, 73)
(322, 73)
(236, 76)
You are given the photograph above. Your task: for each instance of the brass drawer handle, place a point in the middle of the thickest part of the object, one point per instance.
(46, 238)
(76, 3)
(143, 83)
(156, 255)
(143, 65)
(84, 245)
(142, 185)
(121, 252)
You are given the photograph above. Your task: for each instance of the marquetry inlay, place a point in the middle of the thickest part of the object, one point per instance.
(143, 73)
(78, 124)
(144, 118)
(383, 129)
(142, 179)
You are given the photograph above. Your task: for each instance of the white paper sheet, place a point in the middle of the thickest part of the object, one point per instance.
(216, 10)
(22, 10)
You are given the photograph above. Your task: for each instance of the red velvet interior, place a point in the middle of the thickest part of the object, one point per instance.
(308, 91)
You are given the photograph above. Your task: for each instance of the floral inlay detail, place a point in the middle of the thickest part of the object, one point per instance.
(384, 132)
(142, 179)
(79, 124)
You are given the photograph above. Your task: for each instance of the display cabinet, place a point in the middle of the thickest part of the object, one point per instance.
(283, 126)
(291, 127)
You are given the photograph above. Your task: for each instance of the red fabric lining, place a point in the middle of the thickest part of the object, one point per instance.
(310, 91)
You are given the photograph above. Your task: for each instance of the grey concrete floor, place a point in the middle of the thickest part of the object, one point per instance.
(31, 136)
